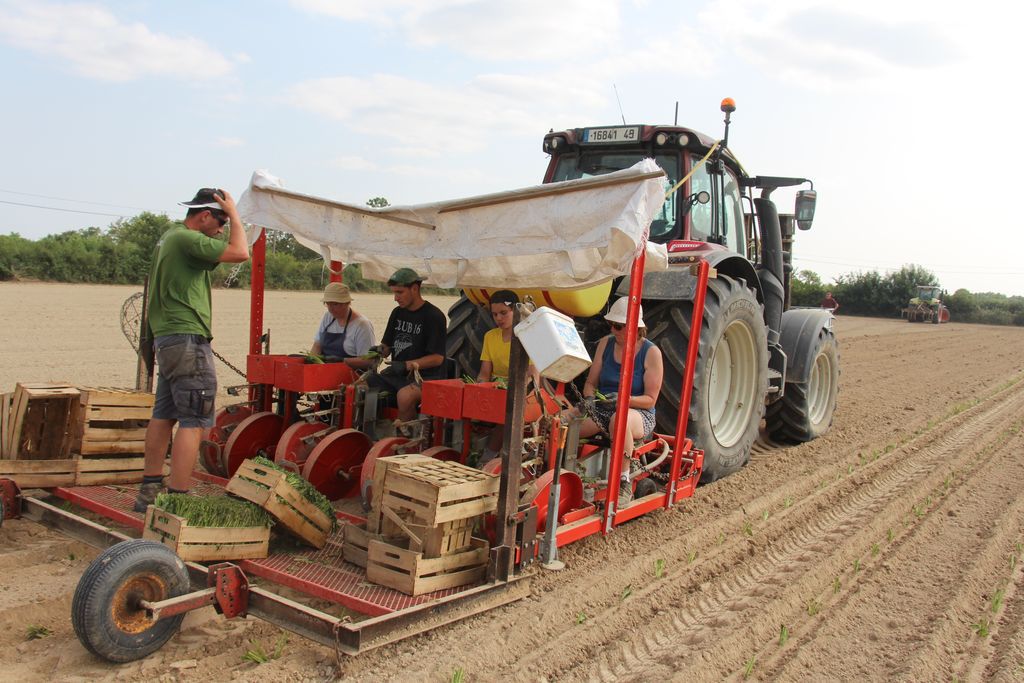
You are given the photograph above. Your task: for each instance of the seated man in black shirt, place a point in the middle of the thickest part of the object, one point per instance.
(414, 338)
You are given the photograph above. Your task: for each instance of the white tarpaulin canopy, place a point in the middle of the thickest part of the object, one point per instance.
(556, 236)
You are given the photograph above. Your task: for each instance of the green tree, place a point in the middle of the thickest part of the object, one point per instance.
(377, 202)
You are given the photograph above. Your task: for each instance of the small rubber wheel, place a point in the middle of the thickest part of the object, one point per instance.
(105, 611)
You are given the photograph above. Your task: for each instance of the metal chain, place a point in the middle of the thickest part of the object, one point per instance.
(224, 360)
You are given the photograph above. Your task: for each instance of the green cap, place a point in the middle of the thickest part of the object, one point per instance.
(403, 277)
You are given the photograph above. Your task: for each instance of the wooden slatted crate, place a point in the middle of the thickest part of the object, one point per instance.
(39, 422)
(270, 489)
(374, 520)
(432, 540)
(111, 421)
(203, 544)
(408, 571)
(356, 541)
(438, 491)
(43, 474)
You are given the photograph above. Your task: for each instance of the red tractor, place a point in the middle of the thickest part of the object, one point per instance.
(757, 359)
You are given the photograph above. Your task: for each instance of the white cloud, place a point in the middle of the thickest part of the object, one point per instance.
(354, 163)
(424, 118)
(98, 45)
(523, 30)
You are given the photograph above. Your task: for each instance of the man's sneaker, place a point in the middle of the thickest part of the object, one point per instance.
(147, 494)
(625, 493)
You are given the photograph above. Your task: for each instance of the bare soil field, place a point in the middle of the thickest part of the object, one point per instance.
(890, 549)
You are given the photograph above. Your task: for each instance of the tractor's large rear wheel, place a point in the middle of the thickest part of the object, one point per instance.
(731, 377)
(467, 325)
(805, 410)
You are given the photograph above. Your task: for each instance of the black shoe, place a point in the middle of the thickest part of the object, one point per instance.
(147, 494)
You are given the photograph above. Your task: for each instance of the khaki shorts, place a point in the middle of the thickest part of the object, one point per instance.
(186, 380)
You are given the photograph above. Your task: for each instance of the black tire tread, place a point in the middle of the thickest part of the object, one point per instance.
(787, 420)
(107, 571)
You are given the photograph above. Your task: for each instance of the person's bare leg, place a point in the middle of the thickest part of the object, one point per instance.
(408, 402)
(158, 436)
(184, 453)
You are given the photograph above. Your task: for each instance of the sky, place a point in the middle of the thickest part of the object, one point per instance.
(895, 109)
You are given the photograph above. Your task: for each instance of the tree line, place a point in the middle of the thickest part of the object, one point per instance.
(121, 254)
(885, 296)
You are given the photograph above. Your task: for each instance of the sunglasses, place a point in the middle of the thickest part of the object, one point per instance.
(220, 217)
(616, 326)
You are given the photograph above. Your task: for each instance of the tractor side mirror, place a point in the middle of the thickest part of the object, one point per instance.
(805, 201)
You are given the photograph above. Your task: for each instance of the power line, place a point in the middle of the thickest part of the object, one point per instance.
(76, 201)
(57, 208)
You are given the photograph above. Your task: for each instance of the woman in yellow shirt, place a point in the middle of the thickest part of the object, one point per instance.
(494, 357)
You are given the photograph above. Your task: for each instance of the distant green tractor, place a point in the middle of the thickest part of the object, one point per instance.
(926, 307)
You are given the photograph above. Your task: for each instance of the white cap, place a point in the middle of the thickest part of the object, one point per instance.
(617, 313)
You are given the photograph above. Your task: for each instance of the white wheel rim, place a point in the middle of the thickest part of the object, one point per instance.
(733, 383)
(819, 389)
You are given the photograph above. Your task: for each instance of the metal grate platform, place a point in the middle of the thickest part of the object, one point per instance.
(317, 573)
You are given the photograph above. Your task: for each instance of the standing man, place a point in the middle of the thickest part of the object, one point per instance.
(830, 303)
(180, 325)
(414, 339)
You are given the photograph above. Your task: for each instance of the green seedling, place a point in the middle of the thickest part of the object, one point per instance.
(467, 379)
(764, 516)
(981, 627)
(626, 592)
(721, 537)
(836, 585)
(659, 568)
(458, 676)
(856, 565)
(890, 534)
(256, 654)
(691, 556)
(783, 635)
(35, 632)
(1018, 546)
(1013, 562)
(875, 550)
(997, 600)
(748, 529)
(788, 502)
(748, 668)
(66, 506)
(213, 511)
(849, 469)
(71, 557)
(813, 607)
(580, 618)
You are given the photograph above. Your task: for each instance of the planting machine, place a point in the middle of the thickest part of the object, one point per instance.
(668, 233)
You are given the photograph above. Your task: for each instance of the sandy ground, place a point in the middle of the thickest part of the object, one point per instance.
(891, 549)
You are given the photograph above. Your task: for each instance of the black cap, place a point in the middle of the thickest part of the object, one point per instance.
(204, 199)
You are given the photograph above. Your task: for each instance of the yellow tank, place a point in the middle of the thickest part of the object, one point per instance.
(574, 302)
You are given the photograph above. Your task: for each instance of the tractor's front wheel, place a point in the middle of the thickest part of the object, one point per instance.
(106, 611)
(805, 410)
(730, 380)
(467, 325)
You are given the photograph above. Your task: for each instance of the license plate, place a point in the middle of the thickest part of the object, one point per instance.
(610, 135)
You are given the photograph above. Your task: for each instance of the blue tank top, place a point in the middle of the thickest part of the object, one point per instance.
(608, 380)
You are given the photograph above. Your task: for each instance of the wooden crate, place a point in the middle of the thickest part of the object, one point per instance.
(408, 571)
(440, 491)
(110, 421)
(93, 471)
(374, 522)
(438, 540)
(205, 543)
(356, 541)
(5, 418)
(43, 474)
(270, 489)
(39, 424)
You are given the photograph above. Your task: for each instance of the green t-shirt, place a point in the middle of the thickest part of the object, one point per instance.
(179, 282)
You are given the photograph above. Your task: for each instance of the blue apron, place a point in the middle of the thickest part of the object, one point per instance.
(333, 344)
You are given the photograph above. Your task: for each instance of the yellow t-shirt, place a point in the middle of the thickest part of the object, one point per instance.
(497, 351)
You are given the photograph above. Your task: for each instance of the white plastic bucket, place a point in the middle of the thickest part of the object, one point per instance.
(553, 344)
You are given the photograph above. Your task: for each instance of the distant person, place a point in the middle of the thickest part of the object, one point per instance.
(830, 303)
(414, 338)
(180, 324)
(344, 334)
(494, 358)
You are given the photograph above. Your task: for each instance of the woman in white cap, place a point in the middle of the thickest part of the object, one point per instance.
(604, 377)
(343, 333)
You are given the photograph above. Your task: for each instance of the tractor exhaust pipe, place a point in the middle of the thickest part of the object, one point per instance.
(771, 269)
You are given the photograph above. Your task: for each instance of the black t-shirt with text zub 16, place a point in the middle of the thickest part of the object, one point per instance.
(415, 334)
